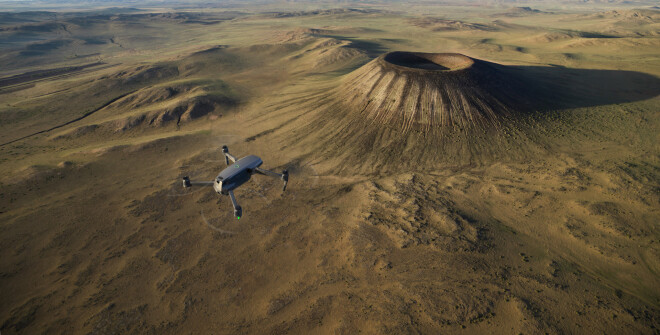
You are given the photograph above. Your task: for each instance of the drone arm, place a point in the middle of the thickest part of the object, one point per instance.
(188, 183)
(284, 175)
(228, 156)
(201, 183)
(268, 173)
(238, 211)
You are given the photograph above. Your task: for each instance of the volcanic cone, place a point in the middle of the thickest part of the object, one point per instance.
(418, 110)
(430, 92)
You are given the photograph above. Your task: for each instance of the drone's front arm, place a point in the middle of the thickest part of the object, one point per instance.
(228, 156)
(238, 211)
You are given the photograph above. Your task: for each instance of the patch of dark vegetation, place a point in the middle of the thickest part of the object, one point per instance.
(95, 40)
(576, 174)
(438, 222)
(335, 11)
(176, 250)
(643, 172)
(605, 208)
(48, 45)
(153, 206)
(519, 12)
(459, 306)
(31, 53)
(112, 321)
(31, 16)
(69, 122)
(572, 56)
(35, 28)
(586, 34)
(618, 293)
(22, 316)
(140, 18)
(41, 74)
(438, 24)
(150, 73)
(528, 10)
(618, 218)
(263, 133)
(220, 58)
(191, 18)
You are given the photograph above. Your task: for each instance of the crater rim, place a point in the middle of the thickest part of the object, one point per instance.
(426, 61)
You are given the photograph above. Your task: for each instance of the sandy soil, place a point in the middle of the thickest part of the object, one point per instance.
(532, 207)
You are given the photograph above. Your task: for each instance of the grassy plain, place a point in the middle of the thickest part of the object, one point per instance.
(549, 227)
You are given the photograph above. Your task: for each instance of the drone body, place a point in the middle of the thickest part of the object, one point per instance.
(236, 175)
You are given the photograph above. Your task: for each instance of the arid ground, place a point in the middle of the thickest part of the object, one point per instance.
(502, 177)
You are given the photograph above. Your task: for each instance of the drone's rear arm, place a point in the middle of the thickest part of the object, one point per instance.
(228, 156)
(284, 175)
(188, 183)
(238, 211)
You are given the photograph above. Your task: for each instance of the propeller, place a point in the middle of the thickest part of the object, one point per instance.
(224, 151)
(192, 170)
(285, 177)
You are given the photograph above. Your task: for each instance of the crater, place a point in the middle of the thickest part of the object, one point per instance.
(429, 61)
(431, 93)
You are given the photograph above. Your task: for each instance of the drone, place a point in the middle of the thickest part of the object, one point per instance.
(236, 175)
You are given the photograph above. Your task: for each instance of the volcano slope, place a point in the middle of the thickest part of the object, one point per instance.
(422, 109)
(456, 107)
(429, 92)
(503, 181)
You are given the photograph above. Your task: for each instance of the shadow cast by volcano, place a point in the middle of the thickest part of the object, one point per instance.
(554, 87)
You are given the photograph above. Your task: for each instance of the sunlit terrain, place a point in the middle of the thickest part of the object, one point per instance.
(466, 168)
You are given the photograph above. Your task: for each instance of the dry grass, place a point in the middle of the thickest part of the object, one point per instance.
(528, 203)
